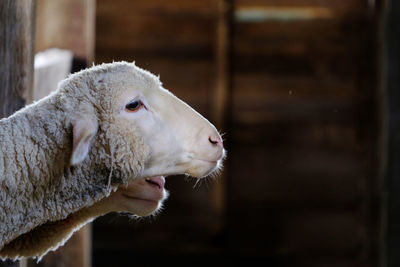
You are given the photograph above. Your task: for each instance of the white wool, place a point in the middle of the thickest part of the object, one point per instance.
(60, 158)
(37, 182)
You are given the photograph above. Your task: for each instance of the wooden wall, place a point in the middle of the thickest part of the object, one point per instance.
(304, 116)
(392, 122)
(302, 180)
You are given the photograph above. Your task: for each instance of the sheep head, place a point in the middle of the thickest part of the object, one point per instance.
(143, 129)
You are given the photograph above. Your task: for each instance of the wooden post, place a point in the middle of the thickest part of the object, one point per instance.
(67, 24)
(392, 144)
(17, 27)
(17, 20)
(222, 94)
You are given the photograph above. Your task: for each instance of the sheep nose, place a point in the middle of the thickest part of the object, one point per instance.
(216, 141)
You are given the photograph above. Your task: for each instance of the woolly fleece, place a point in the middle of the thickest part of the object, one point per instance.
(38, 185)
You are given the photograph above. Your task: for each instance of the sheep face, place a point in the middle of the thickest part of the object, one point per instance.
(179, 139)
(149, 132)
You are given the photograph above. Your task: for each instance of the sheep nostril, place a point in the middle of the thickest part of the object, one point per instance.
(215, 141)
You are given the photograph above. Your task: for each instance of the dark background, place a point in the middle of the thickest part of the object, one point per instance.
(304, 121)
(306, 93)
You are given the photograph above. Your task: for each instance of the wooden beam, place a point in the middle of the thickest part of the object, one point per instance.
(17, 20)
(392, 144)
(67, 24)
(17, 28)
(284, 14)
(222, 95)
(223, 83)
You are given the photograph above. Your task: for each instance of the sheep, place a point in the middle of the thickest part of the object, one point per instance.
(103, 128)
(141, 197)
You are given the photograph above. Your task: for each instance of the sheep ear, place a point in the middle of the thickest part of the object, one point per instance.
(83, 132)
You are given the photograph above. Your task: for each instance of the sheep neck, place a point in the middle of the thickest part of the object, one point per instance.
(35, 146)
(32, 244)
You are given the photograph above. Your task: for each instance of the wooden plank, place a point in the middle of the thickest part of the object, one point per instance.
(281, 14)
(176, 34)
(159, 7)
(156, 27)
(222, 94)
(349, 7)
(56, 29)
(392, 146)
(222, 97)
(308, 48)
(16, 54)
(274, 86)
(17, 22)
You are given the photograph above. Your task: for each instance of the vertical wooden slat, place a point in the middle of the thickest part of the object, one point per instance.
(90, 24)
(16, 53)
(67, 24)
(223, 51)
(382, 124)
(222, 94)
(392, 172)
(17, 30)
(382, 114)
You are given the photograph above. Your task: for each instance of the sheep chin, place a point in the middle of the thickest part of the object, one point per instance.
(205, 168)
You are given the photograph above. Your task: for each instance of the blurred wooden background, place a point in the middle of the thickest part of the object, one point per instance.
(302, 184)
(295, 85)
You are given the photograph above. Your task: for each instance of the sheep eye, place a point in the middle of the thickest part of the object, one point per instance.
(134, 105)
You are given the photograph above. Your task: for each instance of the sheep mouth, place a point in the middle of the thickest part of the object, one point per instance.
(149, 189)
(158, 181)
